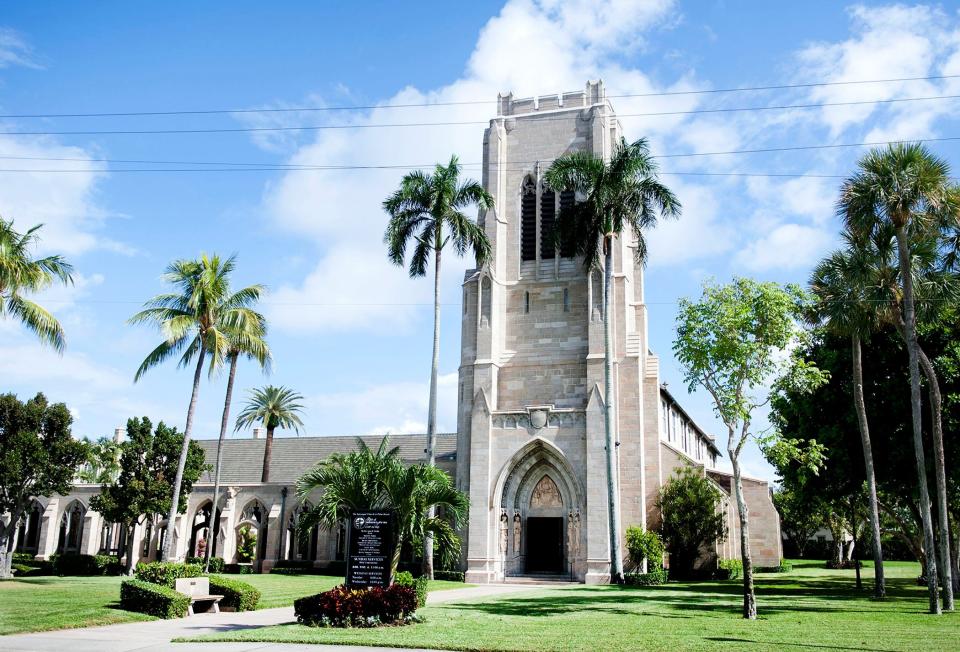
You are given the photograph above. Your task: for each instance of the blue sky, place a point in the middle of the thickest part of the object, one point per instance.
(348, 331)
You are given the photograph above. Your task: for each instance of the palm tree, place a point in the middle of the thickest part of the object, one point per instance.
(621, 195)
(368, 479)
(840, 284)
(190, 320)
(20, 273)
(428, 208)
(274, 407)
(245, 332)
(906, 187)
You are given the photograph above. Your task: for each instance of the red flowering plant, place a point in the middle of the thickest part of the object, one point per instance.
(345, 607)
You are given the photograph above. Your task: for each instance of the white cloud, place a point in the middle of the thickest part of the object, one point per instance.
(14, 50)
(788, 246)
(701, 232)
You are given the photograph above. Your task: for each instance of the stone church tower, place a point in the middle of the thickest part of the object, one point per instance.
(530, 433)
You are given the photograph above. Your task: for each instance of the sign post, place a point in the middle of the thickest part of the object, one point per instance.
(371, 539)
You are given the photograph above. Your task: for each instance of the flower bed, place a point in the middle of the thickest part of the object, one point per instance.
(345, 607)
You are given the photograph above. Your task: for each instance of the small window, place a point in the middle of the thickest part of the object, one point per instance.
(566, 300)
(528, 221)
(526, 302)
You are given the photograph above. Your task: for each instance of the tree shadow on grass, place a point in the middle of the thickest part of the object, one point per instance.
(740, 641)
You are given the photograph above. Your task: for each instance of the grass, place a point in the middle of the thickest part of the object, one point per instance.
(809, 608)
(37, 604)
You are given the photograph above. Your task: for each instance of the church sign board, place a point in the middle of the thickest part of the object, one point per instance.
(371, 537)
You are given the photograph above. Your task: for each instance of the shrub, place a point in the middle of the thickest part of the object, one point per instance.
(842, 564)
(690, 505)
(449, 575)
(644, 545)
(344, 607)
(238, 569)
(85, 565)
(216, 563)
(153, 599)
(237, 595)
(246, 543)
(729, 569)
(166, 573)
(654, 577)
(419, 586)
(784, 567)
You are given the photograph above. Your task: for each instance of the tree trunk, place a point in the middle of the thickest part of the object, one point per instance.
(432, 407)
(131, 530)
(178, 480)
(943, 517)
(749, 597)
(853, 544)
(609, 422)
(910, 326)
(6, 548)
(879, 583)
(216, 474)
(267, 453)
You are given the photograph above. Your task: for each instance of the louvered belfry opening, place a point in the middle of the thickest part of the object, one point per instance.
(528, 221)
(567, 198)
(548, 211)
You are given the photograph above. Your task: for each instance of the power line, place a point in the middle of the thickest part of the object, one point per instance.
(453, 123)
(367, 107)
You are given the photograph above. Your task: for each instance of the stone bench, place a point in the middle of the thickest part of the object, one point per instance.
(198, 588)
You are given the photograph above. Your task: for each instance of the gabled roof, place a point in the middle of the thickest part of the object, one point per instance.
(242, 459)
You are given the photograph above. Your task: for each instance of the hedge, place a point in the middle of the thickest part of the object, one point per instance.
(216, 563)
(85, 565)
(237, 595)
(166, 573)
(153, 599)
(343, 607)
(449, 575)
(419, 585)
(653, 578)
(729, 569)
(784, 567)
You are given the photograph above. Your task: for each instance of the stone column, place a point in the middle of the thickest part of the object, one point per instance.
(597, 518)
(49, 530)
(481, 553)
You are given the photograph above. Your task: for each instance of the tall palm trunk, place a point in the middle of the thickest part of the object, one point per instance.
(910, 327)
(613, 494)
(943, 517)
(216, 475)
(879, 583)
(267, 453)
(432, 408)
(178, 480)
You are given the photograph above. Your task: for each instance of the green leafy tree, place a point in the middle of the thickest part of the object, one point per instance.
(692, 514)
(842, 285)
(191, 319)
(799, 517)
(622, 197)
(906, 187)
(731, 343)
(644, 546)
(38, 457)
(21, 273)
(246, 330)
(274, 407)
(368, 479)
(103, 462)
(429, 209)
(144, 486)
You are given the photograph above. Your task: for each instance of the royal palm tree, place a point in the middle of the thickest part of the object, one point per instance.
(190, 320)
(368, 479)
(622, 195)
(429, 209)
(245, 330)
(274, 407)
(844, 305)
(21, 273)
(907, 188)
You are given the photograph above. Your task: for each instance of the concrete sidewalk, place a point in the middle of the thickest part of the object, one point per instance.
(156, 635)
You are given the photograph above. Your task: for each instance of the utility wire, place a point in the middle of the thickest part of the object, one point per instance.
(367, 107)
(454, 123)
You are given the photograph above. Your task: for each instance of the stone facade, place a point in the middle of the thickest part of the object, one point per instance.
(529, 446)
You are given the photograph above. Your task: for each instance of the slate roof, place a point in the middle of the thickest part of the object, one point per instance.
(242, 460)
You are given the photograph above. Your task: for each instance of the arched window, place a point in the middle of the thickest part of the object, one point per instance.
(28, 535)
(485, 301)
(297, 548)
(528, 220)
(548, 215)
(200, 531)
(113, 539)
(252, 530)
(71, 528)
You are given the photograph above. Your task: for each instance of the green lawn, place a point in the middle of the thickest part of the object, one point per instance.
(809, 608)
(35, 604)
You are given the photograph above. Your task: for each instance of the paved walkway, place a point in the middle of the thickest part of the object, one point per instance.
(156, 635)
